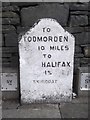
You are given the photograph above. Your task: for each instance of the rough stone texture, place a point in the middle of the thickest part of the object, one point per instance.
(75, 29)
(87, 29)
(77, 60)
(81, 20)
(59, 12)
(78, 49)
(82, 7)
(87, 51)
(24, 4)
(8, 29)
(9, 15)
(9, 50)
(5, 3)
(1, 38)
(33, 111)
(85, 61)
(22, 29)
(79, 55)
(11, 60)
(10, 57)
(73, 110)
(79, 13)
(10, 8)
(10, 21)
(76, 65)
(89, 19)
(11, 39)
(82, 38)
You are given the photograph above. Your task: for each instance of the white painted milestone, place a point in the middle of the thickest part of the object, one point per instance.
(46, 63)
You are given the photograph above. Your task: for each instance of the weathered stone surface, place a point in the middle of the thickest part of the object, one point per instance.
(80, 20)
(79, 55)
(77, 60)
(56, 11)
(78, 49)
(1, 40)
(85, 61)
(10, 8)
(83, 81)
(75, 29)
(82, 38)
(9, 50)
(37, 111)
(5, 3)
(74, 110)
(87, 29)
(76, 6)
(24, 4)
(87, 51)
(89, 20)
(11, 39)
(10, 21)
(8, 29)
(22, 29)
(76, 65)
(38, 73)
(10, 60)
(9, 15)
(79, 13)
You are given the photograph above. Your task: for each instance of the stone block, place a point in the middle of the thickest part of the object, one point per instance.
(8, 29)
(34, 111)
(10, 21)
(56, 11)
(10, 95)
(11, 39)
(42, 81)
(79, 20)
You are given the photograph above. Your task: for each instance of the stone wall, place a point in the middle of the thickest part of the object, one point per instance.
(18, 17)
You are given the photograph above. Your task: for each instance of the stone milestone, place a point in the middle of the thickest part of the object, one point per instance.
(46, 63)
